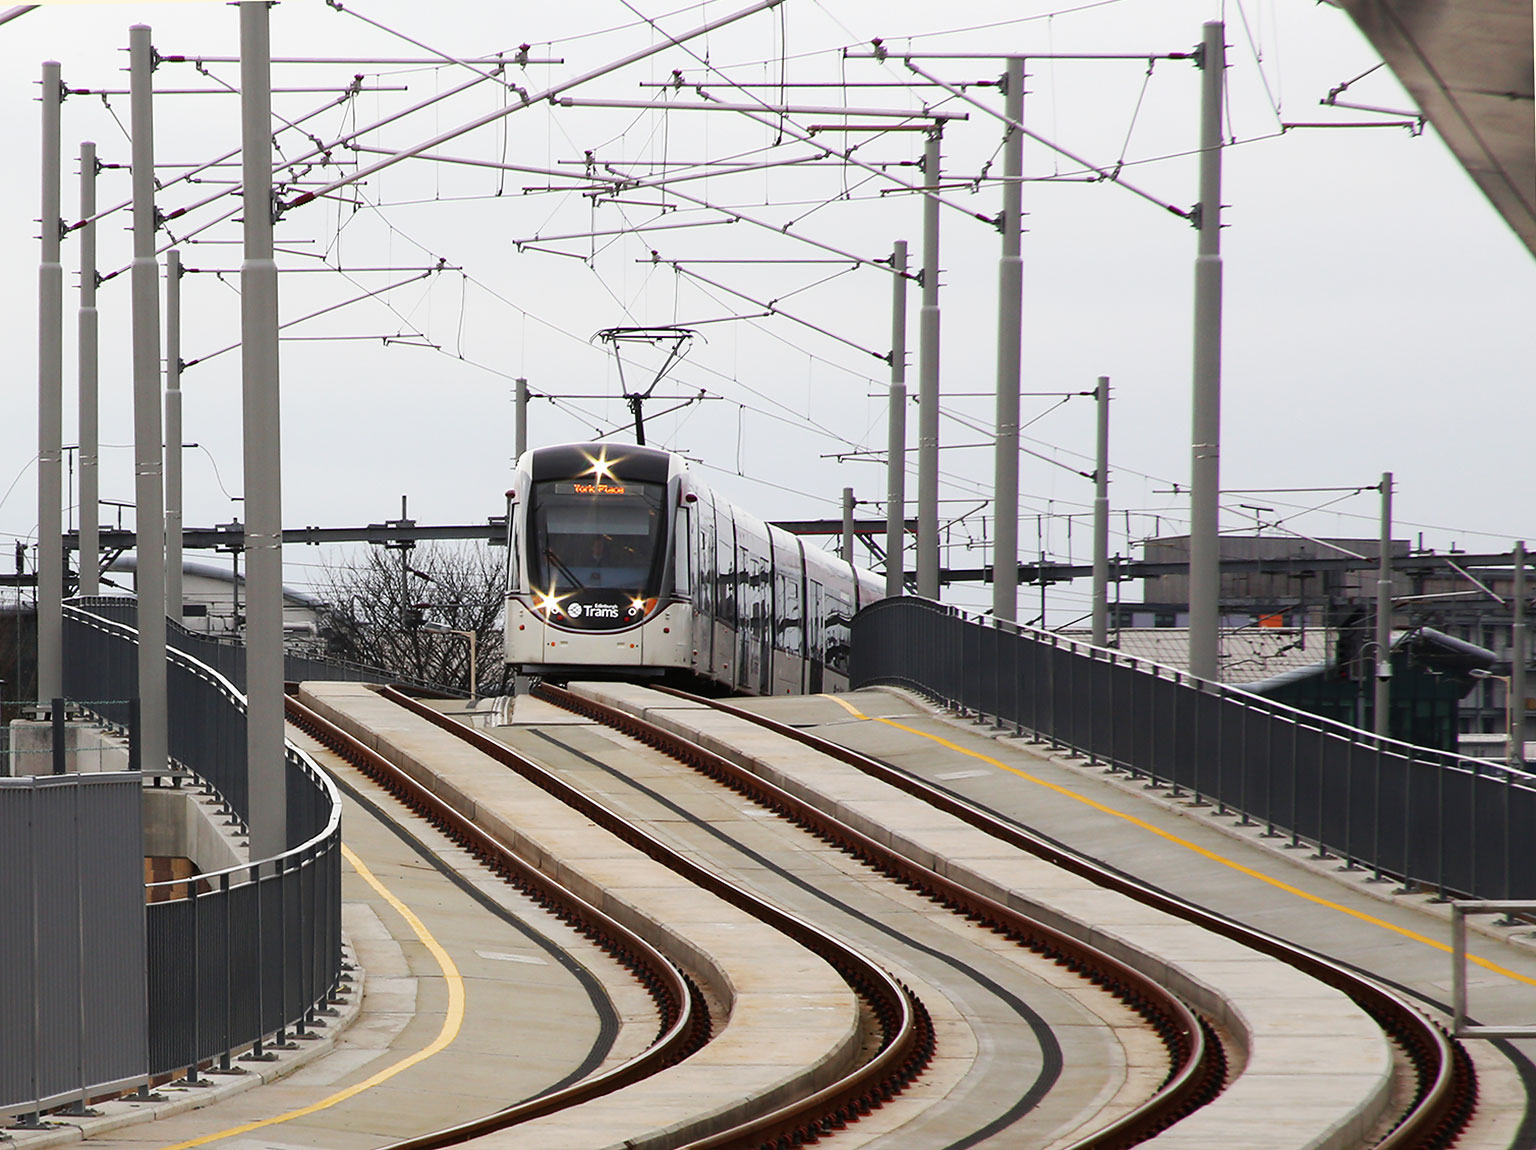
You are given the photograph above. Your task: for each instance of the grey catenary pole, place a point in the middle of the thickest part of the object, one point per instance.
(263, 447)
(88, 374)
(149, 506)
(1382, 699)
(928, 381)
(173, 516)
(896, 430)
(1010, 306)
(50, 411)
(520, 424)
(1205, 447)
(846, 547)
(1101, 521)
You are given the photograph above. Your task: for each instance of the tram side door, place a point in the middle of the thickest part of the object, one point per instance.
(816, 636)
(746, 612)
(705, 593)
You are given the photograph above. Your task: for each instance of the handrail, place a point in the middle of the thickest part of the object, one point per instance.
(1302, 718)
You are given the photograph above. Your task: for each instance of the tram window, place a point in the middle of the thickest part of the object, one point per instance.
(706, 570)
(839, 614)
(514, 553)
(790, 619)
(683, 550)
(581, 540)
(725, 581)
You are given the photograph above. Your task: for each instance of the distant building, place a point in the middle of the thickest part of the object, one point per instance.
(1313, 614)
(213, 599)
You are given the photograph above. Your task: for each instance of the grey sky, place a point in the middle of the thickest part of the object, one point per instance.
(1378, 312)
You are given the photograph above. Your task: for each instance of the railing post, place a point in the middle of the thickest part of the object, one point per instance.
(1052, 662)
(56, 716)
(1222, 702)
(1440, 895)
(1509, 783)
(280, 1038)
(1322, 788)
(1173, 771)
(135, 760)
(997, 672)
(226, 1039)
(1152, 728)
(261, 965)
(1269, 831)
(1349, 807)
(1295, 842)
(1376, 875)
(197, 981)
(1243, 819)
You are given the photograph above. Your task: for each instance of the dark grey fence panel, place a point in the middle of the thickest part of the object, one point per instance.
(1425, 816)
(227, 656)
(227, 961)
(72, 1008)
(174, 998)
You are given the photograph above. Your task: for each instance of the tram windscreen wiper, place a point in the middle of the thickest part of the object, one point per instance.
(549, 553)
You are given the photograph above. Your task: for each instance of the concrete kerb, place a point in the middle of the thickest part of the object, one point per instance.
(123, 1112)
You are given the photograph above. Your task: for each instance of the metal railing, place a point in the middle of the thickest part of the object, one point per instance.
(246, 952)
(232, 957)
(226, 655)
(72, 1022)
(1423, 816)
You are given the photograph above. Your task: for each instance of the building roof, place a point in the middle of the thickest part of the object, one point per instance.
(1248, 655)
(220, 572)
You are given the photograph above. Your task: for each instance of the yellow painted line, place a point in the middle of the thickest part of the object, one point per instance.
(1196, 848)
(453, 1020)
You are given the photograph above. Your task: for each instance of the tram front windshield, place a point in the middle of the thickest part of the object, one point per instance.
(589, 536)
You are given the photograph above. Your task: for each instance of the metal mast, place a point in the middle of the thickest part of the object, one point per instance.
(50, 409)
(1101, 520)
(1010, 306)
(88, 373)
(1382, 699)
(1205, 450)
(149, 496)
(928, 381)
(173, 516)
(896, 430)
(263, 450)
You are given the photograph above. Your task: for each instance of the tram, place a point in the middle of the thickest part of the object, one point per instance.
(621, 563)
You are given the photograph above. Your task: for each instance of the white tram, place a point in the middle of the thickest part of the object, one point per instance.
(622, 563)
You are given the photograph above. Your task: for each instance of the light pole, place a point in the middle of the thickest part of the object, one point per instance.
(474, 676)
(1510, 755)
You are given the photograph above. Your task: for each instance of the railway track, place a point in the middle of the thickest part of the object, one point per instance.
(901, 1048)
(1196, 1060)
(1444, 1091)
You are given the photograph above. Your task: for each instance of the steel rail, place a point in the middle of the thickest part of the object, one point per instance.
(908, 1037)
(1197, 1060)
(1446, 1091)
(685, 1024)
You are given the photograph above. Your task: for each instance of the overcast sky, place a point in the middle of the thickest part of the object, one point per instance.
(1378, 311)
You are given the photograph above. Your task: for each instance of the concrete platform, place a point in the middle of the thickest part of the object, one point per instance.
(1300, 1040)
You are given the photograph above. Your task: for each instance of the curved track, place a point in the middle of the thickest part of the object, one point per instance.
(1196, 1060)
(1445, 1088)
(905, 1040)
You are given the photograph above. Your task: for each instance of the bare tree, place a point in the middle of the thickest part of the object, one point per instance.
(398, 610)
